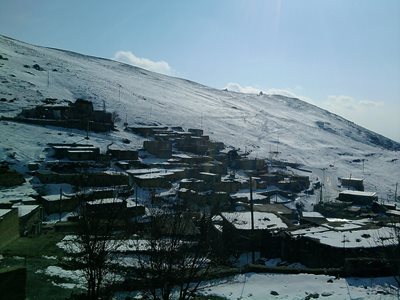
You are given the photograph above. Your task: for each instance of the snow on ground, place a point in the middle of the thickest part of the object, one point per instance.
(56, 217)
(368, 238)
(18, 193)
(262, 220)
(75, 279)
(259, 287)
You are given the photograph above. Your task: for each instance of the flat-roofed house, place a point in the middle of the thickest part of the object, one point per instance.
(352, 183)
(358, 197)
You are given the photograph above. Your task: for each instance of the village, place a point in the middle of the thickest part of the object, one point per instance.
(251, 204)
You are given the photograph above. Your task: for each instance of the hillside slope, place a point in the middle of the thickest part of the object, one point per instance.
(323, 142)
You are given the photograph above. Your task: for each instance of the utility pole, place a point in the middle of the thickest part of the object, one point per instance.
(119, 92)
(136, 195)
(59, 207)
(253, 259)
(277, 146)
(87, 130)
(395, 193)
(126, 120)
(344, 250)
(320, 195)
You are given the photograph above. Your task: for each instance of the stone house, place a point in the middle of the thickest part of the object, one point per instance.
(306, 245)
(122, 154)
(30, 219)
(161, 149)
(79, 115)
(146, 131)
(352, 183)
(193, 144)
(237, 231)
(358, 197)
(71, 150)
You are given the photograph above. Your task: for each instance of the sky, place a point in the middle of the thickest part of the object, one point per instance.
(341, 55)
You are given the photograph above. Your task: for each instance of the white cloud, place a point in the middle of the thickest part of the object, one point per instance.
(339, 103)
(145, 63)
(283, 92)
(371, 104)
(236, 87)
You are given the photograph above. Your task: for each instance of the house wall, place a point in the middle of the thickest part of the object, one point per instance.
(313, 254)
(250, 164)
(77, 155)
(13, 283)
(103, 210)
(357, 199)
(124, 154)
(196, 185)
(11, 178)
(9, 227)
(31, 222)
(145, 131)
(356, 184)
(79, 124)
(156, 182)
(88, 179)
(196, 132)
(227, 186)
(63, 205)
(196, 145)
(158, 148)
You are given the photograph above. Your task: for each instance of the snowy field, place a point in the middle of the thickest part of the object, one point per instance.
(282, 286)
(252, 286)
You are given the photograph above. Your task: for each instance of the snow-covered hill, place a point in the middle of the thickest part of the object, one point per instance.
(323, 142)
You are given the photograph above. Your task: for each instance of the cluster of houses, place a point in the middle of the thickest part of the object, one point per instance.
(251, 204)
(80, 115)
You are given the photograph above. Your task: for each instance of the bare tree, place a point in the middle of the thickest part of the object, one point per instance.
(97, 237)
(396, 250)
(176, 261)
(390, 243)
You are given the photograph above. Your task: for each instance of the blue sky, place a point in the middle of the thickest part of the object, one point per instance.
(342, 55)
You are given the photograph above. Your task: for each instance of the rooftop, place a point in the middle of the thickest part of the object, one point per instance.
(352, 178)
(312, 214)
(3, 212)
(262, 220)
(24, 210)
(369, 238)
(105, 201)
(358, 193)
